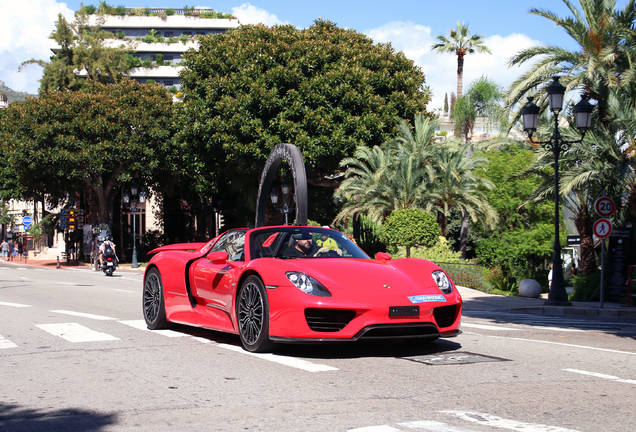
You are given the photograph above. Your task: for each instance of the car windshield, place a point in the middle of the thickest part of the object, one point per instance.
(303, 242)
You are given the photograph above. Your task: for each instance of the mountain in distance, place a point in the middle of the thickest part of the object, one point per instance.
(13, 95)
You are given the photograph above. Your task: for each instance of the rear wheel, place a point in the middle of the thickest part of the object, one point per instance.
(109, 271)
(253, 316)
(153, 301)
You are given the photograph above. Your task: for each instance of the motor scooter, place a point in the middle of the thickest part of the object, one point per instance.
(109, 264)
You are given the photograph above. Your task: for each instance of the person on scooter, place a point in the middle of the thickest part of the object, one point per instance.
(106, 249)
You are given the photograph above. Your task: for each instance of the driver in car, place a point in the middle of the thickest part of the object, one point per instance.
(304, 247)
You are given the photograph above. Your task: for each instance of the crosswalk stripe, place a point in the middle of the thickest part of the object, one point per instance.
(84, 315)
(287, 361)
(494, 421)
(74, 332)
(6, 343)
(18, 305)
(141, 325)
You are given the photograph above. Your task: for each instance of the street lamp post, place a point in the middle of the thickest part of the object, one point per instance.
(134, 189)
(556, 144)
(285, 209)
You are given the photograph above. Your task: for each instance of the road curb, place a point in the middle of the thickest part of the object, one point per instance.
(576, 312)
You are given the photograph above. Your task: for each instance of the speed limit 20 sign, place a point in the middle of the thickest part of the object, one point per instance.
(604, 207)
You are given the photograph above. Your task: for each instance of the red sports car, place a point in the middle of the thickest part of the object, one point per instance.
(297, 284)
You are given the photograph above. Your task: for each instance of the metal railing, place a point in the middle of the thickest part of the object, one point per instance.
(467, 275)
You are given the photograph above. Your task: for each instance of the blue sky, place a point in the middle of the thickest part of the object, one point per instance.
(410, 25)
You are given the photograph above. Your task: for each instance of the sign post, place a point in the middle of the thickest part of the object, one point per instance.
(605, 208)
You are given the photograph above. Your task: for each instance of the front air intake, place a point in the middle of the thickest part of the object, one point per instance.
(328, 320)
(445, 315)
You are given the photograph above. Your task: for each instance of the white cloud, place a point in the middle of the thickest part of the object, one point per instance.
(249, 14)
(441, 69)
(26, 26)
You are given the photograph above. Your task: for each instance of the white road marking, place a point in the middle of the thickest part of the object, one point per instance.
(74, 332)
(494, 421)
(287, 361)
(141, 325)
(18, 305)
(26, 278)
(380, 428)
(554, 343)
(121, 290)
(202, 340)
(84, 315)
(538, 327)
(604, 376)
(487, 327)
(127, 278)
(6, 343)
(433, 426)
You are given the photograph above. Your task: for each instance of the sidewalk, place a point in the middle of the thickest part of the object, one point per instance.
(53, 264)
(478, 301)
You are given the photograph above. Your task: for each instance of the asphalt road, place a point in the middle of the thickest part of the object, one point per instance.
(75, 355)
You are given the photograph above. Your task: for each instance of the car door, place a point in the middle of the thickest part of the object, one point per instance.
(214, 283)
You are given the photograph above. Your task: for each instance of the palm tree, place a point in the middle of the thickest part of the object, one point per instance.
(460, 43)
(455, 186)
(603, 60)
(396, 175)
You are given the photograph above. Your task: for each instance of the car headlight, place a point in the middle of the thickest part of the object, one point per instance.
(307, 284)
(442, 281)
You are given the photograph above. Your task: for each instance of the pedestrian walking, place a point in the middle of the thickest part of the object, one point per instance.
(20, 249)
(25, 253)
(11, 249)
(5, 249)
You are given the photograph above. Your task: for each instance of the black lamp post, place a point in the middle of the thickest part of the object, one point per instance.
(134, 194)
(285, 209)
(583, 114)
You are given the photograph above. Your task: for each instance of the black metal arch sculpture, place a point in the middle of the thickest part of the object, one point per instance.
(291, 154)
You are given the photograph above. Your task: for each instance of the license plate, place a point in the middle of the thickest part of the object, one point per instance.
(109, 264)
(404, 311)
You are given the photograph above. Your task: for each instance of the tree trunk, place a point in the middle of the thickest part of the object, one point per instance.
(460, 75)
(442, 221)
(463, 235)
(584, 226)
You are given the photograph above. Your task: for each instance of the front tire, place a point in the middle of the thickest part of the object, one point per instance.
(252, 312)
(153, 301)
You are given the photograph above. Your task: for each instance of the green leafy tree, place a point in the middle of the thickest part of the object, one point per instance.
(97, 139)
(410, 227)
(482, 100)
(83, 48)
(325, 89)
(460, 42)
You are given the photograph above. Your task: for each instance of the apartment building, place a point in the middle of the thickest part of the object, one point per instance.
(161, 39)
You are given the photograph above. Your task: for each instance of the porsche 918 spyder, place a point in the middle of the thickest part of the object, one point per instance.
(280, 284)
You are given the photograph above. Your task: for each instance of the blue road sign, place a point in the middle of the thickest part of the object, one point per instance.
(27, 220)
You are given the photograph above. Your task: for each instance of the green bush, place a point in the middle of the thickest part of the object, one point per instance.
(146, 63)
(439, 252)
(587, 288)
(410, 227)
(90, 9)
(120, 34)
(170, 12)
(159, 59)
(442, 133)
(133, 61)
(121, 10)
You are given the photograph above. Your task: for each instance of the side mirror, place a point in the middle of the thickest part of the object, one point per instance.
(218, 257)
(381, 256)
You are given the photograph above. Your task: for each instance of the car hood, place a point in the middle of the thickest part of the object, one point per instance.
(347, 275)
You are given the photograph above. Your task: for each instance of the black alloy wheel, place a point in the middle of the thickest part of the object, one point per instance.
(253, 316)
(153, 301)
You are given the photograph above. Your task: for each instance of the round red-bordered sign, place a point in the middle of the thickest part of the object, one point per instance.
(602, 228)
(604, 207)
